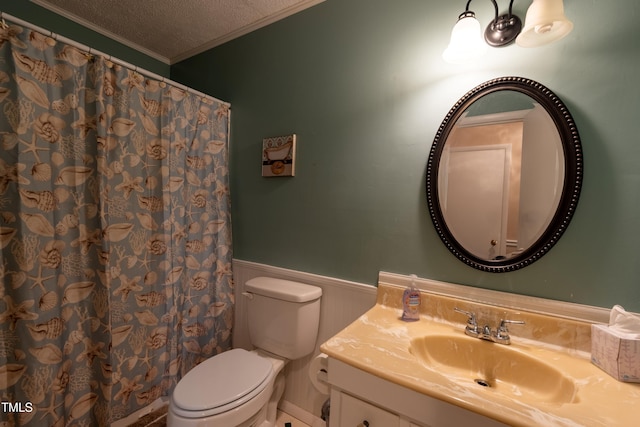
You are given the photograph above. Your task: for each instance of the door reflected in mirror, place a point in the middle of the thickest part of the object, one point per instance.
(508, 169)
(504, 174)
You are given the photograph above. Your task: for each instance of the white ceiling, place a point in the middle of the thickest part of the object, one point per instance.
(173, 30)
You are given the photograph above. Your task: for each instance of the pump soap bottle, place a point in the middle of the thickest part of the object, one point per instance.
(411, 302)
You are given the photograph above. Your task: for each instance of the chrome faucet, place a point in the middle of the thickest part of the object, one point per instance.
(500, 335)
(472, 323)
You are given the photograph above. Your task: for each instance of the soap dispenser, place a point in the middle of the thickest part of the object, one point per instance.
(411, 302)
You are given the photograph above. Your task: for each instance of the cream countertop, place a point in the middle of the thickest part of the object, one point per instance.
(378, 343)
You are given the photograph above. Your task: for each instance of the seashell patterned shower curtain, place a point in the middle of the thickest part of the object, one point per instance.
(115, 234)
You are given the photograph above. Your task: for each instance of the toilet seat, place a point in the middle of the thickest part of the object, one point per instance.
(241, 375)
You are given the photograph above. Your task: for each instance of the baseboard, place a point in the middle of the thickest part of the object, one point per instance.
(132, 418)
(299, 413)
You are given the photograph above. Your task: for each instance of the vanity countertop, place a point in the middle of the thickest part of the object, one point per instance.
(378, 343)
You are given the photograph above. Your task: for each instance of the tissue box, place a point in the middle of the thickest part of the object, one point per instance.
(615, 354)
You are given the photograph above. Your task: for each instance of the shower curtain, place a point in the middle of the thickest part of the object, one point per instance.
(115, 234)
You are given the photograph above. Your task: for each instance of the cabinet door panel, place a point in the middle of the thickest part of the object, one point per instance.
(354, 413)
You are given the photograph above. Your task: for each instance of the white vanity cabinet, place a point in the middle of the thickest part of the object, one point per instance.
(353, 412)
(357, 396)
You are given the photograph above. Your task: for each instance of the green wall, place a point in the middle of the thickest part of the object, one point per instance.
(363, 85)
(47, 20)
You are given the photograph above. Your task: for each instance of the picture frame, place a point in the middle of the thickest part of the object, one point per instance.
(279, 156)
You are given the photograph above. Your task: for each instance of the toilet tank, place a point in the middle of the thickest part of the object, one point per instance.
(283, 316)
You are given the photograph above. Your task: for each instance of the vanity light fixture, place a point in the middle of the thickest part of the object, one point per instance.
(545, 23)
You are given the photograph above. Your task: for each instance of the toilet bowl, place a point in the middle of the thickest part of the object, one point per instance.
(242, 388)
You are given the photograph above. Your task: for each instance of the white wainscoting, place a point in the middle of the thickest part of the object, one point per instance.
(342, 303)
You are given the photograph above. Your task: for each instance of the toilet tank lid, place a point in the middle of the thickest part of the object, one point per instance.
(285, 290)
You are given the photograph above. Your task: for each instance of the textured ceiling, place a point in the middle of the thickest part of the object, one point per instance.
(173, 30)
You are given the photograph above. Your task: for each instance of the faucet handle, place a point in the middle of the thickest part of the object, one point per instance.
(469, 314)
(472, 323)
(502, 334)
(503, 323)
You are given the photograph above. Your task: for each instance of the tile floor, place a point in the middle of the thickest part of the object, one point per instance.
(158, 419)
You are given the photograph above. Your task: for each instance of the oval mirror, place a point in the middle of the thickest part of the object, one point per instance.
(504, 174)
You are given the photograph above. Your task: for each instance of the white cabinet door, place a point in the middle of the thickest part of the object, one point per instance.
(357, 413)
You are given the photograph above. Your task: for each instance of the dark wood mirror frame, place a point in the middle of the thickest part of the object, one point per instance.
(573, 173)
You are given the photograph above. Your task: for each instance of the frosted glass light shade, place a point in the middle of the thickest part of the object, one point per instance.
(545, 23)
(466, 41)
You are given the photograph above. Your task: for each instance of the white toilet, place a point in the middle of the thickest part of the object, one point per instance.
(240, 388)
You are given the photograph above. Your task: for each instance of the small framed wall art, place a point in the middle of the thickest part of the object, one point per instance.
(279, 156)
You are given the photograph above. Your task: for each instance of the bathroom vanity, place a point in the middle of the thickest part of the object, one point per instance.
(358, 398)
(386, 372)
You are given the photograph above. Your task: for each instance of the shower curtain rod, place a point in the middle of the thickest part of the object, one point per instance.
(92, 51)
